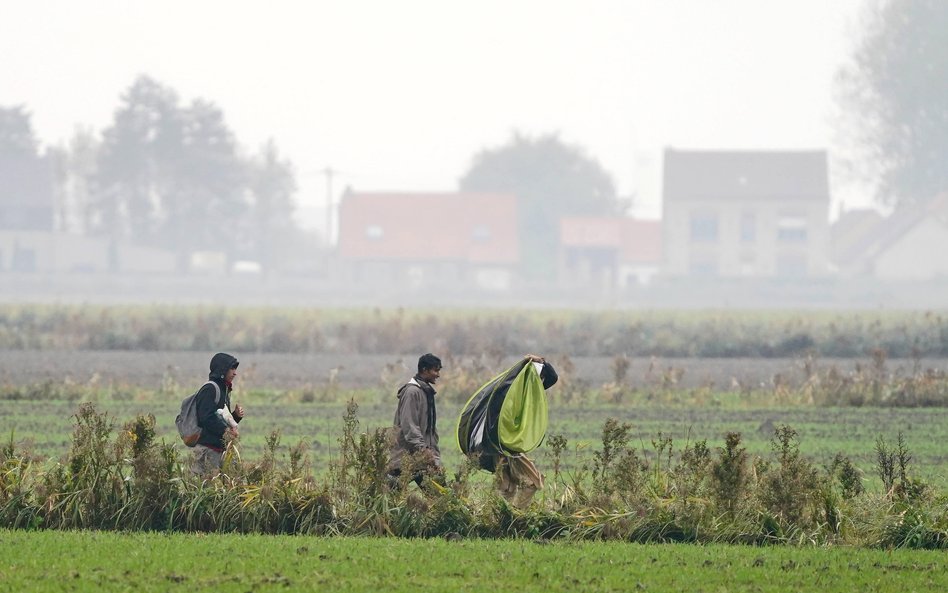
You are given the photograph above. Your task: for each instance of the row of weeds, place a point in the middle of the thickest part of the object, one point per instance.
(874, 382)
(664, 334)
(126, 479)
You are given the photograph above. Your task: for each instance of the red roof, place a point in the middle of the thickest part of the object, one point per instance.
(427, 227)
(638, 241)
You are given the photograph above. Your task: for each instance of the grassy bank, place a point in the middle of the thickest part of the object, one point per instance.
(105, 562)
(663, 490)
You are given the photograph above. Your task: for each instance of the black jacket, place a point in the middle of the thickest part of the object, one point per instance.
(212, 427)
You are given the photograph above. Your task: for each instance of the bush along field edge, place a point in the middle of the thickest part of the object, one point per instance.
(128, 480)
(673, 334)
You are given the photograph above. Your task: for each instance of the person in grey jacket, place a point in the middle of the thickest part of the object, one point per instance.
(415, 426)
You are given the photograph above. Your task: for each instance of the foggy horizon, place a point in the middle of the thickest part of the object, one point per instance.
(206, 144)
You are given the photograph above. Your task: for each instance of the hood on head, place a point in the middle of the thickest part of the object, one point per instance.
(221, 363)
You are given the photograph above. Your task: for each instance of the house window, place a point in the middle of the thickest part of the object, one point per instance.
(748, 227)
(704, 227)
(373, 232)
(791, 229)
(704, 268)
(481, 233)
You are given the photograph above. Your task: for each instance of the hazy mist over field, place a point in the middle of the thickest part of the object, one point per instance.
(604, 154)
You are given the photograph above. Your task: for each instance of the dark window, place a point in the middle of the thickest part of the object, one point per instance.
(748, 227)
(704, 227)
(704, 268)
(791, 229)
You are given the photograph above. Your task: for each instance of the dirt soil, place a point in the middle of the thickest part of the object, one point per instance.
(291, 371)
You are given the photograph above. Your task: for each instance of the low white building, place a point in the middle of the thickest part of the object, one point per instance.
(908, 245)
(50, 252)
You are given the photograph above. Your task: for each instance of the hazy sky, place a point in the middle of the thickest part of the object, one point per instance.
(399, 94)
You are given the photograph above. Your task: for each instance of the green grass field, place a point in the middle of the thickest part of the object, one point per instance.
(45, 428)
(104, 562)
(43, 388)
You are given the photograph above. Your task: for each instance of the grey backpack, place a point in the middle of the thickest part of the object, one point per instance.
(187, 421)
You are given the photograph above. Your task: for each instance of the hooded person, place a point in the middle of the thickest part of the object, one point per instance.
(504, 420)
(415, 432)
(214, 414)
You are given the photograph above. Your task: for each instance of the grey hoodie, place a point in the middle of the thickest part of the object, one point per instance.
(415, 422)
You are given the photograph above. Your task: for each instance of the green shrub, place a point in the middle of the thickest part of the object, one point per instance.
(729, 475)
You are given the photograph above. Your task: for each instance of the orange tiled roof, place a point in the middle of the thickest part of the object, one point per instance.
(468, 227)
(638, 241)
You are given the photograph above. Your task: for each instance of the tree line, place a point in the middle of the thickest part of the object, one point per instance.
(172, 175)
(163, 174)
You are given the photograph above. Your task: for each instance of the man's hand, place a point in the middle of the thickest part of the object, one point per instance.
(234, 433)
(535, 358)
(238, 412)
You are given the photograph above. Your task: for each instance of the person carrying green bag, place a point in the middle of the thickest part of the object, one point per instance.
(505, 419)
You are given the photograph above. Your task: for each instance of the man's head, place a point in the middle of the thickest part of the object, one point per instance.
(429, 367)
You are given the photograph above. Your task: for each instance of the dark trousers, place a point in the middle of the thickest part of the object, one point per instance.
(394, 478)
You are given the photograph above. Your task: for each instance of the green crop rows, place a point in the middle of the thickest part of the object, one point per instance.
(104, 562)
(45, 428)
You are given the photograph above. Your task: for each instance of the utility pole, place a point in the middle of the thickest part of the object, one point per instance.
(328, 172)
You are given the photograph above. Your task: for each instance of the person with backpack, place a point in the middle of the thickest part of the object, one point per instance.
(214, 415)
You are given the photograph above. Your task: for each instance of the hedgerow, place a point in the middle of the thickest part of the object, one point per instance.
(126, 479)
(711, 334)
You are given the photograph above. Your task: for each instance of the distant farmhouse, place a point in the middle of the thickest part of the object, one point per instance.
(414, 240)
(754, 214)
(609, 253)
(908, 245)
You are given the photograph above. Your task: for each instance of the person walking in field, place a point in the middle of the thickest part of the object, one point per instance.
(414, 448)
(517, 478)
(214, 415)
(503, 420)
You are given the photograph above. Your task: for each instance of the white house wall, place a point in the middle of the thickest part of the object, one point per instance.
(917, 255)
(53, 252)
(66, 253)
(733, 257)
